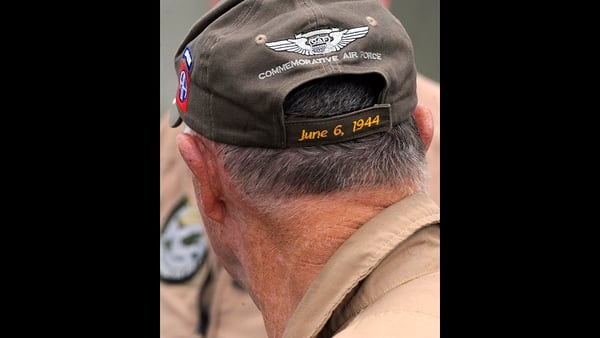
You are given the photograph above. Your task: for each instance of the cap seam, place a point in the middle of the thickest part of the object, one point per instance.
(216, 39)
(328, 67)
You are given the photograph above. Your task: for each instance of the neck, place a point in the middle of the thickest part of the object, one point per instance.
(287, 251)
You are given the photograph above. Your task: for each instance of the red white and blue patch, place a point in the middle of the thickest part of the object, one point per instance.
(185, 69)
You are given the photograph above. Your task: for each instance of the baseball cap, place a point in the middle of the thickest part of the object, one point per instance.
(240, 60)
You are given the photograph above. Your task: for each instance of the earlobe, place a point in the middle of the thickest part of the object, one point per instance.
(424, 119)
(201, 162)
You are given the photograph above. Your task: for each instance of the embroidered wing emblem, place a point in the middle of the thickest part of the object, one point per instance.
(319, 42)
(291, 45)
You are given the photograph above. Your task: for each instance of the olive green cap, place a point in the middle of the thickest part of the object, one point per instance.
(241, 59)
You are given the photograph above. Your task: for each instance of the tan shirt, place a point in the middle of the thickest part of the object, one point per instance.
(384, 281)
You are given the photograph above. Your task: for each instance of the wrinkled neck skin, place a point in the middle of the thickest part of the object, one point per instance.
(280, 253)
(276, 247)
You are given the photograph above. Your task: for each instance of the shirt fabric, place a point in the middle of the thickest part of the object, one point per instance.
(384, 281)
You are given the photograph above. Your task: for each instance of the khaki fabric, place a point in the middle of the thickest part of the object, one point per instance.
(233, 312)
(384, 279)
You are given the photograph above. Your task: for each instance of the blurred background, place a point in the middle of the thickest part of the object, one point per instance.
(421, 19)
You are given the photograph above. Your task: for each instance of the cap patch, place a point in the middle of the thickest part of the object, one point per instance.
(182, 244)
(185, 68)
(319, 42)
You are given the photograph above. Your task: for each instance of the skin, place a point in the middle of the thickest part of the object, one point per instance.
(296, 242)
(428, 92)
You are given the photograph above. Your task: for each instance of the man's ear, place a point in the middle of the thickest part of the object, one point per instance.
(202, 162)
(424, 119)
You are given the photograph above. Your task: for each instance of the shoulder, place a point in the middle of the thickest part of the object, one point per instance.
(410, 310)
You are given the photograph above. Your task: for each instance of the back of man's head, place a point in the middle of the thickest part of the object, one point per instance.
(381, 160)
(303, 97)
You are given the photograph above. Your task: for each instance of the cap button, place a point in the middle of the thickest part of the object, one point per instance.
(260, 39)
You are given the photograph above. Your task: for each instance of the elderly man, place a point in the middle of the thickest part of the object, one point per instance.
(334, 225)
(313, 198)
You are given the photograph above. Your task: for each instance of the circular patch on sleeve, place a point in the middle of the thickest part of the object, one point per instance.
(182, 244)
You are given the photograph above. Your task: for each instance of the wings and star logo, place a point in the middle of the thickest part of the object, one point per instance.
(319, 42)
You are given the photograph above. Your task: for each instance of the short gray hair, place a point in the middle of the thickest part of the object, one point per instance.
(389, 159)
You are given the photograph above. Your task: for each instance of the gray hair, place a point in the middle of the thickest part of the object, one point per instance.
(389, 159)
